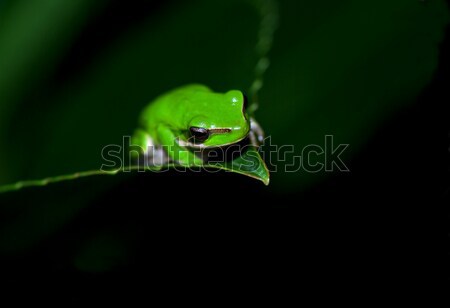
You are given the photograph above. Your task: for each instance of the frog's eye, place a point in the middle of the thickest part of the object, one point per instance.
(199, 133)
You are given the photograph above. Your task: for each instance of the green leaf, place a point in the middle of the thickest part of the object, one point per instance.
(336, 67)
(250, 163)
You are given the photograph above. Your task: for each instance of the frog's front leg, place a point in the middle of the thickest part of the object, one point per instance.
(256, 134)
(152, 153)
(176, 152)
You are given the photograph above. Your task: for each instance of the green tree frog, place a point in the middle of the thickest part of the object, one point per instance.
(193, 117)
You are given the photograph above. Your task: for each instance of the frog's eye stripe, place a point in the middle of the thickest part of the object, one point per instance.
(219, 130)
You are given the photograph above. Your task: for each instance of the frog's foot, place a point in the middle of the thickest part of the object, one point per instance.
(256, 133)
(154, 155)
(145, 151)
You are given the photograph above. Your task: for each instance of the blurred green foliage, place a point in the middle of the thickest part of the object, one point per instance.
(33, 38)
(337, 67)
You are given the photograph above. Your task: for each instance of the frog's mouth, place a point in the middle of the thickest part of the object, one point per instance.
(196, 145)
(222, 153)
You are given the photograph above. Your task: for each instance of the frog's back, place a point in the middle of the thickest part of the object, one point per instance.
(171, 104)
(190, 89)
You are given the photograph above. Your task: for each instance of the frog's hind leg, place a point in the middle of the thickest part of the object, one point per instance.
(147, 153)
(256, 134)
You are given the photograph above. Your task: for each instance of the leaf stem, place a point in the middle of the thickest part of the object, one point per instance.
(66, 177)
(268, 11)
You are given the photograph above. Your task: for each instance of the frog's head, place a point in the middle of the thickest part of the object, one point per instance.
(222, 121)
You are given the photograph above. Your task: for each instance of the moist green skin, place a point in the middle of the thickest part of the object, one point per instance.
(167, 119)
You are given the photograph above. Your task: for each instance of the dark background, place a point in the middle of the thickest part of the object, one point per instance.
(368, 235)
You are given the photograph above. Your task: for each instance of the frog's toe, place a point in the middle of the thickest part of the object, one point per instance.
(155, 155)
(256, 133)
